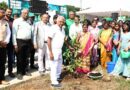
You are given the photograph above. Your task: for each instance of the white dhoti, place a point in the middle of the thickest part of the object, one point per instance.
(56, 66)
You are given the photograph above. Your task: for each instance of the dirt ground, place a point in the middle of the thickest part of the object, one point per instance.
(71, 83)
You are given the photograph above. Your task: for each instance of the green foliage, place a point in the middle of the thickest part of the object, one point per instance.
(3, 5)
(72, 56)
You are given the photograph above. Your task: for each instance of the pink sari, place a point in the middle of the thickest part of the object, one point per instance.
(88, 45)
(86, 42)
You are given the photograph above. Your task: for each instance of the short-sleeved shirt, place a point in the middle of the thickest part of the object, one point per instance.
(57, 36)
(74, 30)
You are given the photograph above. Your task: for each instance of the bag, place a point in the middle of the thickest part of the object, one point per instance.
(124, 54)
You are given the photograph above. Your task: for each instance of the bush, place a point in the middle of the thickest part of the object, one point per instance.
(3, 5)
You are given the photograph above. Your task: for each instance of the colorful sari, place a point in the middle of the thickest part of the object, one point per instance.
(86, 43)
(95, 55)
(114, 50)
(123, 65)
(105, 36)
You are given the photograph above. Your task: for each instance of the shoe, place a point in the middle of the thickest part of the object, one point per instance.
(33, 67)
(56, 85)
(127, 79)
(28, 74)
(19, 76)
(4, 82)
(11, 75)
(59, 79)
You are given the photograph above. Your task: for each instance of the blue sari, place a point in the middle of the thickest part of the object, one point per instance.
(114, 50)
(123, 65)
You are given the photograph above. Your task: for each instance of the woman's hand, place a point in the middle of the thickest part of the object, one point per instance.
(126, 49)
(118, 51)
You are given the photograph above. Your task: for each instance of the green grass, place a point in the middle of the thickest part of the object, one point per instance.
(123, 84)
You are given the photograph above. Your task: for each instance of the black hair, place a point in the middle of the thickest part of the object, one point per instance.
(96, 17)
(87, 21)
(43, 13)
(77, 16)
(2, 9)
(128, 24)
(55, 16)
(94, 21)
(9, 9)
(16, 14)
(106, 22)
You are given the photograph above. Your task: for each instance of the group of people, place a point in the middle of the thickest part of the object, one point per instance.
(20, 38)
(99, 43)
(102, 42)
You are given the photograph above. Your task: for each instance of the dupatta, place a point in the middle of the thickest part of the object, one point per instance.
(88, 45)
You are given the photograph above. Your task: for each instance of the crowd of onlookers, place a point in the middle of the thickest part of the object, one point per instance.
(100, 42)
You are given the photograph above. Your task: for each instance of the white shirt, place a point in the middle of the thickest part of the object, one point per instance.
(8, 33)
(74, 30)
(94, 31)
(21, 30)
(57, 36)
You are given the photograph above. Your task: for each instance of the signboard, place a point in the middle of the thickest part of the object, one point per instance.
(15, 4)
(63, 10)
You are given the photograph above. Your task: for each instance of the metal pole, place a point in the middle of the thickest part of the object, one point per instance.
(81, 4)
(9, 3)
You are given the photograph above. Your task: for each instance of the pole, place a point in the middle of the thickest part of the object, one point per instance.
(9, 3)
(120, 12)
(81, 4)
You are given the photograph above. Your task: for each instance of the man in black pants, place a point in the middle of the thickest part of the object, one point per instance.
(4, 40)
(10, 48)
(22, 39)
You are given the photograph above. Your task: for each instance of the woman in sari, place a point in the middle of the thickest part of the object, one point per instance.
(86, 43)
(115, 39)
(94, 30)
(105, 39)
(123, 64)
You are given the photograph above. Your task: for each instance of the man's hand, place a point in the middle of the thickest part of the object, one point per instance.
(16, 48)
(35, 47)
(3, 44)
(51, 56)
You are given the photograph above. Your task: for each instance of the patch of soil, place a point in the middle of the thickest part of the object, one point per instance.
(69, 83)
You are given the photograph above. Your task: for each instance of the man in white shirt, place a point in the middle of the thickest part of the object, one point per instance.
(55, 42)
(22, 35)
(75, 28)
(4, 40)
(41, 30)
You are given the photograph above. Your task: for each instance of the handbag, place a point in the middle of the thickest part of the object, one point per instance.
(125, 54)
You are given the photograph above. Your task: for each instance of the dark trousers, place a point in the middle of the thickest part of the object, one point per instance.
(11, 57)
(22, 55)
(2, 62)
(32, 57)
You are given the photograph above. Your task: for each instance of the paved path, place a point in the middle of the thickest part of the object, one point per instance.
(15, 81)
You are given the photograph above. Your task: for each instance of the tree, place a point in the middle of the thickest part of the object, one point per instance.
(3, 5)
